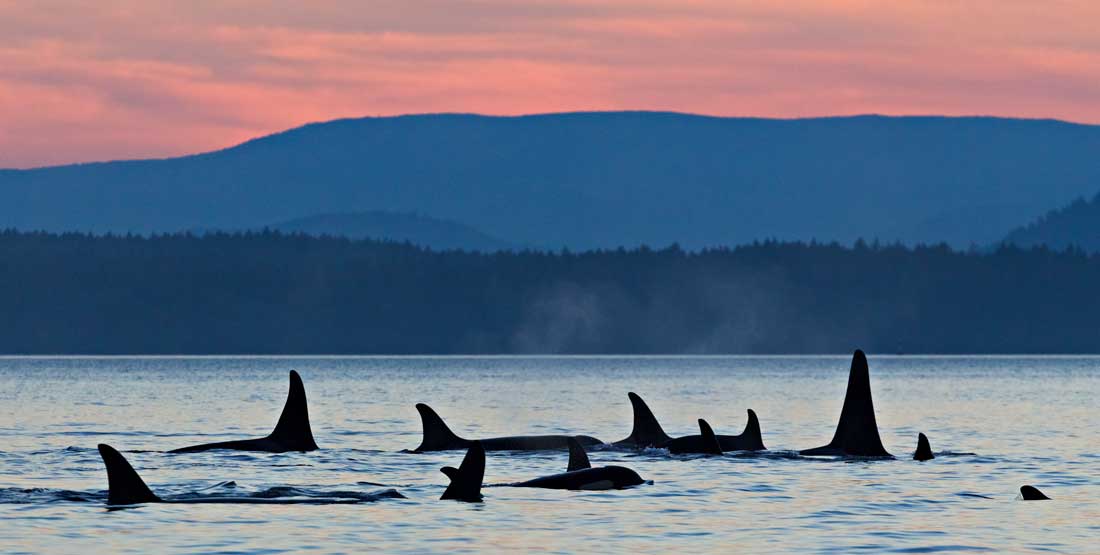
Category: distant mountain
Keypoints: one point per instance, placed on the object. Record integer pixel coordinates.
(1075, 225)
(605, 179)
(401, 227)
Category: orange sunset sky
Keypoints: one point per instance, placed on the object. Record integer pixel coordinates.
(111, 79)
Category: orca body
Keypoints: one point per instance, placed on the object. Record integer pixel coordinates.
(857, 432)
(924, 449)
(581, 476)
(647, 432)
(439, 437)
(466, 480)
(705, 443)
(1030, 493)
(125, 487)
(291, 433)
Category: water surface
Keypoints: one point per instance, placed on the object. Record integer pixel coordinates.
(994, 422)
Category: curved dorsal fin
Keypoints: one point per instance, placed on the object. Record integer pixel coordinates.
(467, 478)
(124, 486)
(924, 449)
(1031, 493)
(647, 431)
(292, 430)
(578, 459)
(710, 441)
(754, 440)
(437, 436)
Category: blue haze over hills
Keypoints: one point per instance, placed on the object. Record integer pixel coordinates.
(587, 180)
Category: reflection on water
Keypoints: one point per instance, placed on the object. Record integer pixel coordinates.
(994, 422)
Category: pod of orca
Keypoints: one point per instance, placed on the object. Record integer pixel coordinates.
(856, 436)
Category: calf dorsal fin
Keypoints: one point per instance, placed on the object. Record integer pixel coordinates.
(578, 459)
(924, 449)
(711, 446)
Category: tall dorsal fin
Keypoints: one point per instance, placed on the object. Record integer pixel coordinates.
(578, 459)
(293, 429)
(857, 432)
(1031, 493)
(124, 486)
(710, 441)
(647, 431)
(752, 438)
(467, 478)
(924, 449)
(437, 436)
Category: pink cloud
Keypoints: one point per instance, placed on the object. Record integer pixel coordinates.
(129, 79)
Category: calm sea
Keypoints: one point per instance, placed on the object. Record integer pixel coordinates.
(995, 423)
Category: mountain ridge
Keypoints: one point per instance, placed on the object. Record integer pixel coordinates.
(597, 179)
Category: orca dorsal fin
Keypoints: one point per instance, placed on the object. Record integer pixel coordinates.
(711, 446)
(754, 440)
(857, 432)
(467, 478)
(924, 449)
(578, 459)
(647, 431)
(292, 430)
(1031, 493)
(437, 436)
(124, 486)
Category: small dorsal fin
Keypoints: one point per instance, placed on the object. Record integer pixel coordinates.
(647, 431)
(437, 436)
(293, 430)
(124, 486)
(467, 478)
(752, 438)
(711, 446)
(924, 449)
(578, 459)
(1031, 493)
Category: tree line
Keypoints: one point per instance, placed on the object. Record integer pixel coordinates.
(268, 292)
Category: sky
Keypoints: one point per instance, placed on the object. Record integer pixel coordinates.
(119, 79)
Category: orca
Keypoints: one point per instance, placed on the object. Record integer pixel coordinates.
(466, 480)
(125, 487)
(438, 437)
(1030, 493)
(581, 475)
(924, 449)
(856, 433)
(706, 442)
(647, 432)
(291, 433)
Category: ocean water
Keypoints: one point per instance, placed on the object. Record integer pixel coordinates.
(995, 423)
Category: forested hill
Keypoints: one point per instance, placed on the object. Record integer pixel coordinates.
(1076, 225)
(272, 293)
(603, 179)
